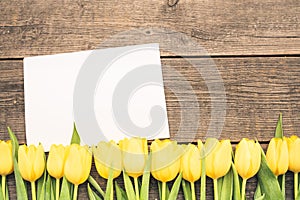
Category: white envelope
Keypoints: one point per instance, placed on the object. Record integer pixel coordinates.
(109, 93)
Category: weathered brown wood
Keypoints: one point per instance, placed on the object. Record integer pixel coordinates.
(223, 28)
(257, 90)
(12, 99)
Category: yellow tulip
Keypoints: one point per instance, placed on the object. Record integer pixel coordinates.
(31, 162)
(78, 164)
(218, 161)
(247, 158)
(294, 149)
(56, 161)
(191, 163)
(6, 162)
(294, 161)
(6, 158)
(165, 162)
(108, 157)
(135, 153)
(277, 156)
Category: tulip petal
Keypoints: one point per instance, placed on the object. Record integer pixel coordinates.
(6, 159)
(39, 162)
(56, 161)
(255, 158)
(222, 160)
(283, 160)
(242, 159)
(25, 165)
(271, 156)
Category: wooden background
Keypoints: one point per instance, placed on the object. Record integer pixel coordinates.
(254, 44)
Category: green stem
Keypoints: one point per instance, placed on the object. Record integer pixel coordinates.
(57, 189)
(136, 186)
(3, 186)
(193, 191)
(244, 189)
(216, 195)
(203, 180)
(33, 190)
(295, 185)
(283, 185)
(163, 196)
(112, 193)
(75, 192)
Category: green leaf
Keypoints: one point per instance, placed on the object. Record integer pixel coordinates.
(92, 195)
(15, 143)
(281, 180)
(227, 186)
(146, 179)
(6, 192)
(75, 137)
(279, 129)
(49, 194)
(52, 188)
(1, 194)
(41, 186)
(257, 193)
(186, 189)
(262, 197)
(236, 183)
(220, 184)
(65, 193)
(109, 186)
(120, 193)
(20, 186)
(94, 183)
(175, 188)
(267, 181)
(298, 195)
(128, 186)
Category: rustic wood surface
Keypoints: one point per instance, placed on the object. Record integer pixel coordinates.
(223, 27)
(255, 46)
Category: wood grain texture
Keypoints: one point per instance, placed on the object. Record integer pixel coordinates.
(221, 27)
(257, 90)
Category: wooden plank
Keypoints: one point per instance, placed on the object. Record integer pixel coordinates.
(257, 90)
(222, 28)
(12, 99)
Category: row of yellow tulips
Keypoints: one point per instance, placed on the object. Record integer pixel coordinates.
(168, 159)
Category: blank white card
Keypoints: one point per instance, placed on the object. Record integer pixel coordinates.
(109, 93)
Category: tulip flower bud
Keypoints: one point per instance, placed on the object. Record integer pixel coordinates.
(191, 163)
(78, 164)
(56, 161)
(247, 158)
(134, 154)
(108, 156)
(294, 149)
(31, 162)
(218, 161)
(165, 162)
(6, 158)
(277, 156)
